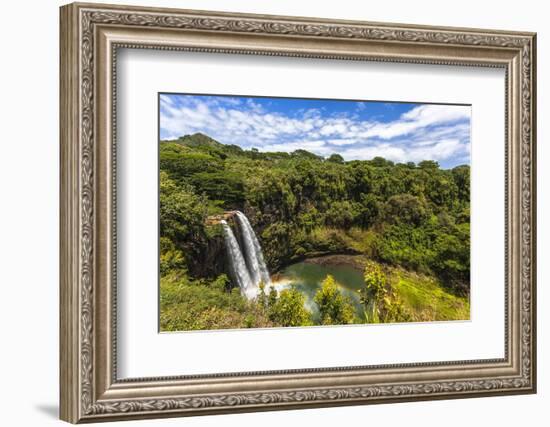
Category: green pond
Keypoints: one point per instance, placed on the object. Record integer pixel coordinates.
(307, 278)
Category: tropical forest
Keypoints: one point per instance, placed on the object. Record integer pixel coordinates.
(256, 239)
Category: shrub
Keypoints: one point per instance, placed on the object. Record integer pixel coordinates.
(334, 308)
(382, 303)
(288, 309)
(374, 291)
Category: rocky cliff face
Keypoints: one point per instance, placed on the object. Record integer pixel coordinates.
(216, 219)
(210, 262)
(214, 262)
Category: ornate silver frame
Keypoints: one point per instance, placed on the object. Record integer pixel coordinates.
(90, 36)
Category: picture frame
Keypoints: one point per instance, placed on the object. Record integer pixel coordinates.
(91, 36)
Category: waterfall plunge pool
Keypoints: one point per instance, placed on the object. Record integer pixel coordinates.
(248, 268)
(307, 278)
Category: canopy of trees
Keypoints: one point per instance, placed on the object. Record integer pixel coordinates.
(301, 204)
(412, 216)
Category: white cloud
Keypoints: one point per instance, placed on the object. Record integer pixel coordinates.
(166, 100)
(426, 132)
(317, 147)
(438, 151)
(343, 141)
(431, 114)
(389, 152)
(336, 127)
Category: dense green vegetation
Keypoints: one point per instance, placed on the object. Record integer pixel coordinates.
(334, 308)
(408, 218)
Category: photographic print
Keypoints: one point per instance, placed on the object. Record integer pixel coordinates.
(259, 182)
(292, 212)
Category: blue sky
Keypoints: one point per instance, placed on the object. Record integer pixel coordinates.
(357, 130)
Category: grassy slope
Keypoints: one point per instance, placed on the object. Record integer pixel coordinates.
(423, 296)
(187, 305)
(426, 298)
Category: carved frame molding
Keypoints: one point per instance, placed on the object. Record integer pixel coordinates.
(90, 36)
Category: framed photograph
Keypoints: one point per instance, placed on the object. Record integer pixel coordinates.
(266, 212)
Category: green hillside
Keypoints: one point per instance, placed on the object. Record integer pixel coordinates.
(408, 218)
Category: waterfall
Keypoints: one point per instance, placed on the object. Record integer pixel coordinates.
(253, 252)
(237, 264)
(248, 265)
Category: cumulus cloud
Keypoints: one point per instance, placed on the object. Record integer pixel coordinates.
(318, 147)
(422, 132)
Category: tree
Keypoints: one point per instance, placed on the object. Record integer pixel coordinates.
(373, 292)
(340, 214)
(442, 190)
(288, 310)
(428, 165)
(336, 158)
(334, 308)
(382, 303)
(381, 162)
(405, 208)
(452, 258)
(461, 176)
(305, 153)
(368, 209)
(171, 258)
(182, 164)
(301, 204)
(407, 245)
(221, 185)
(182, 215)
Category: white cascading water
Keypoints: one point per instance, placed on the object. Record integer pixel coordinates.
(238, 264)
(254, 256)
(248, 268)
